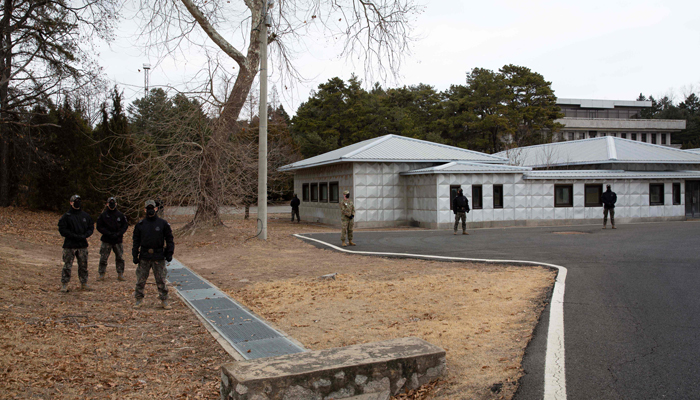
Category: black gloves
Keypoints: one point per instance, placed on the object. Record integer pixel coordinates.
(136, 260)
(352, 216)
(168, 258)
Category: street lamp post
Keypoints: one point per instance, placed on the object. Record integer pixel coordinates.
(262, 143)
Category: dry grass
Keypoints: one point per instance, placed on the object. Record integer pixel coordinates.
(93, 345)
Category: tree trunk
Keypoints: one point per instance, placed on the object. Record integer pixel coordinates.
(5, 71)
(247, 211)
(4, 169)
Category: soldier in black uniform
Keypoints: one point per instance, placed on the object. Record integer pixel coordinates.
(153, 245)
(75, 226)
(295, 207)
(460, 206)
(111, 224)
(608, 198)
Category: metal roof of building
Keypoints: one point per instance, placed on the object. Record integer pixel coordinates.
(693, 150)
(467, 167)
(601, 150)
(395, 148)
(592, 103)
(610, 174)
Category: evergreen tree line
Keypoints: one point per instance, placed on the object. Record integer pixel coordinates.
(133, 153)
(492, 111)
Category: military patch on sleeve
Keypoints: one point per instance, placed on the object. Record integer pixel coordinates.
(157, 228)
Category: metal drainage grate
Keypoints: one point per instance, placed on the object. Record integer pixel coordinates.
(247, 333)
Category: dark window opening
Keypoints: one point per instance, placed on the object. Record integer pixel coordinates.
(644, 137)
(656, 194)
(634, 136)
(497, 196)
(663, 138)
(477, 200)
(623, 135)
(571, 136)
(592, 134)
(453, 194)
(676, 193)
(563, 195)
(305, 192)
(314, 192)
(592, 196)
(323, 192)
(653, 138)
(333, 192)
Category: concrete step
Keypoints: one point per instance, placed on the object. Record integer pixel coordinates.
(376, 370)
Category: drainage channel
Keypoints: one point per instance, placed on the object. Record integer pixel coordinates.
(247, 333)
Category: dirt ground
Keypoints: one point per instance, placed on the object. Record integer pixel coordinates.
(94, 345)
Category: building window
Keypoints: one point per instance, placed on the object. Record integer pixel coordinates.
(653, 138)
(663, 138)
(571, 135)
(333, 191)
(634, 136)
(623, 135)
(323, 192)
(593, 193)
(656, 194)
(497, 196)
(314, 192)
(581, 135)
(676, 193)
(644, 137)
(563, 195)
(305, 192)
(477, 200)
(453, 194)
(592, 134)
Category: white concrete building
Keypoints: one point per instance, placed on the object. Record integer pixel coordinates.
(398, 181)
(587, 118)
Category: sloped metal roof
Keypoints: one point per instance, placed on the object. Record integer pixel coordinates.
(395, 148)
(592, 103)
(693, 150)
(458, 167)
(610, 174)
(606, 149)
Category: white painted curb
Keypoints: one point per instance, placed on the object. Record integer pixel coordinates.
(554, 372)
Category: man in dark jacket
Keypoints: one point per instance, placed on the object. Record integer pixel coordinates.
(609, 198)
(153, 245)
(460, 206)
(295, 208)
(75, 226)
(111, 224)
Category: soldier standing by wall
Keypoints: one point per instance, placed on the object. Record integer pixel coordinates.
(295, 208)
(347, 215)
(111, 224)
(460, 206)
(153, 245)
(608, 198)
(75, 226)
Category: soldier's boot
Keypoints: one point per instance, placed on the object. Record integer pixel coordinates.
(138, 303)
(464, 233)
(604, 227)
(165, 305)
(85, 287)
(614, 227)
(344, 245)
(64, 288)
(120, 277)
(101, 277)
(352, 244)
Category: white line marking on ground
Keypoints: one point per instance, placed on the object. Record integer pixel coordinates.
(554, 372)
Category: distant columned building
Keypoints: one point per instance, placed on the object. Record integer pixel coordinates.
(586, 119)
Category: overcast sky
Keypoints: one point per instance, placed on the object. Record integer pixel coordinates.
(594, 49)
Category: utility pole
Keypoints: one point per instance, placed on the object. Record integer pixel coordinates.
(262, 143)
(146, 69)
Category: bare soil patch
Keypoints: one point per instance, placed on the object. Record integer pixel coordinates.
(94, 345)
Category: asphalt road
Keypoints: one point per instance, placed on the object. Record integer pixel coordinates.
(631, 306)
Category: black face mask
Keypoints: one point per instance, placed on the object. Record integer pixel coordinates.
(112, 205)
(76, 204)
(151, 212)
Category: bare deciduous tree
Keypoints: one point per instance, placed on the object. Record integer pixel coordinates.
(376, 31)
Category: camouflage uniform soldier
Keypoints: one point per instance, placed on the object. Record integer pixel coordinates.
(111, 224)
(347, 215)
(153, 245)
(75, 226)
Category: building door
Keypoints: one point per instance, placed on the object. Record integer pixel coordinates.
(692, 199)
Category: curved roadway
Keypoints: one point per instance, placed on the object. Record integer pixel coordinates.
(631, 307)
